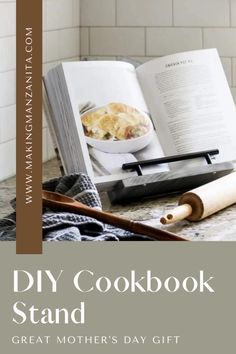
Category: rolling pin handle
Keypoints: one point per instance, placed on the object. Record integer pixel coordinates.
(177, 214)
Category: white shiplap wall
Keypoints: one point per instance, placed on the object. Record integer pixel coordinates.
(150, 28)
(61, 42)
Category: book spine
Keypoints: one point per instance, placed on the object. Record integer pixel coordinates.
(47, 111)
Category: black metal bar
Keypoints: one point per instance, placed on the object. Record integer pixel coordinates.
(139, 164)
(208, 159)
(138, 169)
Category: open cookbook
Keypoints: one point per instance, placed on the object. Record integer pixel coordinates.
(103, 114)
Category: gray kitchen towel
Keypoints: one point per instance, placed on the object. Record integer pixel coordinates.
(64, 226)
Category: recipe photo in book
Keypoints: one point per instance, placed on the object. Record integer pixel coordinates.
(103, 114)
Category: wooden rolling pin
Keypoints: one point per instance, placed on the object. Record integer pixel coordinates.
(56, 201)
(204, 201)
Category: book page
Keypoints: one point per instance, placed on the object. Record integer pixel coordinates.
(92, 85)
(102, 82)
(191, 103)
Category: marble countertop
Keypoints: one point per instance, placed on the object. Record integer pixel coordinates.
(221, 226)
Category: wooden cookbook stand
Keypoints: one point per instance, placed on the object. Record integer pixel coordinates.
(161, 184)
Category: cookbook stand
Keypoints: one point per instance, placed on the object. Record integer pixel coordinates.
(164, 183)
